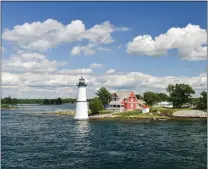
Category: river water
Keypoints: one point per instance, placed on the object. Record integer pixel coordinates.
(30, 140)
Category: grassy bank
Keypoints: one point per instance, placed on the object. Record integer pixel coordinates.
(166, 111)
(139, 115)
(71, 113)
(157, 113)
(7, 107)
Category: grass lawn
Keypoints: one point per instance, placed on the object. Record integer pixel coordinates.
(138, 114)
(172, 110)
(167, 111)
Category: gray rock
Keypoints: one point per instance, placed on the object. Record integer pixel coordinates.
(190, 113)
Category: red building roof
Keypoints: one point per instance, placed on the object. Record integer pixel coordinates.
(145, 106)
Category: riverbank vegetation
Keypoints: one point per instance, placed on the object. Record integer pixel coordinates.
(179, 94)
(7, 106)
(57, 101)
(140, 115)
(95, 105)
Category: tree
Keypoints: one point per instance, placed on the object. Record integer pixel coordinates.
(202, 103)
(194, 101)
(151, 98)
(180, 94)
(14, 101)
(104, 95)
(58, 101)
(163, 96)
(139, 97)
(95, 105)
(52, 101)
(45, 101)
(8, 100)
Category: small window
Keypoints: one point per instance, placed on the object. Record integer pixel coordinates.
(132, 99)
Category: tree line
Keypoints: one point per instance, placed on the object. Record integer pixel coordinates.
(178, 94)
(58, 101)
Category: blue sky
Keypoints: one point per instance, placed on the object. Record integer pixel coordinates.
(141, 18)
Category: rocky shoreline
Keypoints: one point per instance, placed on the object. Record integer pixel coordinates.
(183, 114)
(190, 113)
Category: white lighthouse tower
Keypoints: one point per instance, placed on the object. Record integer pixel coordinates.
(81, 106)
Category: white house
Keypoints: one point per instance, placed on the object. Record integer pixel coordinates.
(164, 104)
(145, 109)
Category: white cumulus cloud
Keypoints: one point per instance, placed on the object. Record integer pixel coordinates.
(85, 50)
(75, 71)
(31, 62)
(41, 36)
(110, 71)
(190, 42)
(96, 65)
(64, 82)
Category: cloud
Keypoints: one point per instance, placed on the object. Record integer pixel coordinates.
(89, 49)
(104, 49)
(41, 36)
(25, 61)
(110, 71)
(100, 33)
(96, 65)
(31, 62)
(64, 82)
(85, 50)
(189, 41)
(122, 29)
(75, 71)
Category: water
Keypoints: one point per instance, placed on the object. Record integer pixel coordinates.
(34, 141)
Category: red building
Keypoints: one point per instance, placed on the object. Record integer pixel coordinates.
(125, 101)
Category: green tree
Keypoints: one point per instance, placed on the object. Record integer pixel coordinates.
(45, 101)
(163, 96)
(52, 101)
(104, 95)
(194, 101)
(139, 97)
(180, 94)
(151, 98)
(8, 100)
(95, 105)
(58, 101)
(202, 103)
(14, 101)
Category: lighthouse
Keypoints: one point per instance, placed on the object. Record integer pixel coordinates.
(81, 106)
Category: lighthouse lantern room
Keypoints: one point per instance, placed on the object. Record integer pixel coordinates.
(81, 105)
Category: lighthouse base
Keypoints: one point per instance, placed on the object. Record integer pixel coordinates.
(78, 118)
(81, 111)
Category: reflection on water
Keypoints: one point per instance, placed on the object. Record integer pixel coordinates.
(59, 142)
(81, 128)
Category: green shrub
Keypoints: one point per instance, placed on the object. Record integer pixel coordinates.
(95, 106)
(4, 106)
